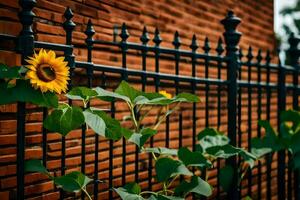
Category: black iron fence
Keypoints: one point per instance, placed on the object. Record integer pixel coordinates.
(253, 86)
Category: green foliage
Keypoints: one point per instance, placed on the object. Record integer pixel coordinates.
(196, 185)
(24, 92)
(81, 93)
(142, 137)
(193, 159)
(7, 72)
(64, 119)
(71, 182)
(36, 166)
(225, 177)
(287, 139)
(103, 124)
(170, 164)
(162, 151)
(167, 168)
(130, 191)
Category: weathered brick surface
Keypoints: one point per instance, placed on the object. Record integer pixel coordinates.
(188, 16)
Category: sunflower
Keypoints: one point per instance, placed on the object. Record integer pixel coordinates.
(165, 94)
(48, 72)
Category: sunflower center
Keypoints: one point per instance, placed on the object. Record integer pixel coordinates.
(46, 73)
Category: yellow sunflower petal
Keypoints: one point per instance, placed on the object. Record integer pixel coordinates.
(48, 72)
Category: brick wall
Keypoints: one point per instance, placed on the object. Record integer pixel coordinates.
(201, 17)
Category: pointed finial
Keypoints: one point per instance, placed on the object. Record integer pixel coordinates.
(259, 56)
(220, 48)
(268, 56)
(124, 33)
(249, 55)
(69, 25)
(206, 46)
(89, 32)
(145, 37)
(176, 42)
(157, 39)
(194, 45)
(231, 35)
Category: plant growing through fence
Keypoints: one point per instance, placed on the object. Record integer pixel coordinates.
(178, 171)
(287, 138)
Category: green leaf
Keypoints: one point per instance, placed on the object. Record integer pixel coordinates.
(227, 151)
(72, 182)
(158, 99)
(248, 157)
(7, 94)
(81, 93)
(111, 129)
(290, 116)
(259, 147)
(296, 161)
(210, 137)
(225, 177)
(295, 143)
(187, 97)
(7, 72)
(133, 188)
(24, 92)
(35, 166)
(94, 121)
(166, 168)
(64, 119)
(141, 138)
(162, 151)
(109, 96)
(194, 159)
(196, 185)
(130, 191)
(269, 143)
(164, 197)
(125, 89)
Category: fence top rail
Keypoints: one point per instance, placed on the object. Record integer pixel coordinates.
(164, 50)
(149, 74)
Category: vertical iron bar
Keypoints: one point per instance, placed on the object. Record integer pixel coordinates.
(176, 42)
(157, 40)
(123, 45)
(25, 47)
(240, 112)
(68, 26)
(194, 46)
(44, 139)
(89, 32)
(249, 118)
(268, 110)
(232, 38)
(259, 97)
(144, 39)
(219, 50)
(293, 53)
(206, 49)
(281, 107)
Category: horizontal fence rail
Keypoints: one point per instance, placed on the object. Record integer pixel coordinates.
(242, 88)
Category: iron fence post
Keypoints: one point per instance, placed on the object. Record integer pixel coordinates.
(25, 47)
(294, 53)
(232, 38)
(281, 107)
